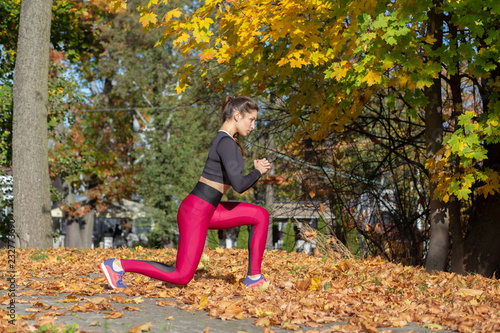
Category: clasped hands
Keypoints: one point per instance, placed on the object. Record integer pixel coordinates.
(262, 165)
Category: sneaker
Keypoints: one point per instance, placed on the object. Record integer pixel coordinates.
(115, 279)
(254, 283)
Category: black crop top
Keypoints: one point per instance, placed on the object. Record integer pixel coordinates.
(225, 164)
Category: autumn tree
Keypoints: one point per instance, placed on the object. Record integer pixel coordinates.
(94, 157)
(172, 158)
(328, 59)
(72, 38)
(133, 128)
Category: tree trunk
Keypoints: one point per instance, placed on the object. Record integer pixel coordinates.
(88, 229)
(482, 248)
(73, 234)
(76, 236)
(437, 256)
(32, 206)
(457, 236)
(270, 203)
(454, 206)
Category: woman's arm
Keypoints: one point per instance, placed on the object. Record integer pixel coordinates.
(232, 162)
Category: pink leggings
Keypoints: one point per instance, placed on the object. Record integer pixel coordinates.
(194, 218)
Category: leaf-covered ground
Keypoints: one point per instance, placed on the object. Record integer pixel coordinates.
(311, 290)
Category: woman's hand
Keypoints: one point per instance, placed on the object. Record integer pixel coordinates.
(262, 165)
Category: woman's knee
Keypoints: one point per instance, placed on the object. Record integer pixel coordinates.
(262, 215)
(184, 276)
(183, 280)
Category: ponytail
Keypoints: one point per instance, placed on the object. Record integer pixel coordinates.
(242, 104)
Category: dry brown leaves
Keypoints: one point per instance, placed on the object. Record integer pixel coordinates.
(311, 290)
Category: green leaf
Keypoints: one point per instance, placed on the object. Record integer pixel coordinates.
(463, 193)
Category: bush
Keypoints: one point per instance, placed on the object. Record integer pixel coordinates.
(242, 242)
(289, 237)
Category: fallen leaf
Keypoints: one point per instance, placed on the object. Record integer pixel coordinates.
(286, 325)
(432, 326)
(39, 304)
(131, 308)
(45, 320)
(69, 299)
(30, 316)
(141, 328)
(119, 299)
(263, 322)
(315, 283)
(261, 314)
(54, 314)
(163, 294)
(204, 300)
(98, 300)
(166, 303)
(369, 327)
(303, 285)
(233, 309)
(470, 292)
(85, 307)
(136, 300)
(114, 315)
(264, 286)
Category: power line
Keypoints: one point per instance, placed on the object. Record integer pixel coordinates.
(129, 109)
(172, 108)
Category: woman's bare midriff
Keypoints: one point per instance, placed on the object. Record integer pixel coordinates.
(222, 188)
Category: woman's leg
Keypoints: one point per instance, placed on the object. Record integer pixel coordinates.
(193, 218)
(235, 214)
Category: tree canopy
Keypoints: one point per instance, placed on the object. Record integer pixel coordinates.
(328, 58)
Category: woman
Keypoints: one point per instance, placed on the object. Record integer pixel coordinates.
(202, 210)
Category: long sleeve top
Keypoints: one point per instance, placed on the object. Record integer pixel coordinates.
(225, 164)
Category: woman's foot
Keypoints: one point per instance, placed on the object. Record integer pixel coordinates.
(113, 273)
(254, 281)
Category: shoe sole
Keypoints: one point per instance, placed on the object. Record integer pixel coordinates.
(106, 274)
(256, 284)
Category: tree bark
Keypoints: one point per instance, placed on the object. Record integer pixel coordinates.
(88, 229)
(73, 238)
(32, 206)
(270, 203)
(437, 256)
(76, 236)
(457, 236)
(454, 206)
(482, 248)
(73, 234)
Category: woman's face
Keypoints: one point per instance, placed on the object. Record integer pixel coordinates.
(246, 122)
